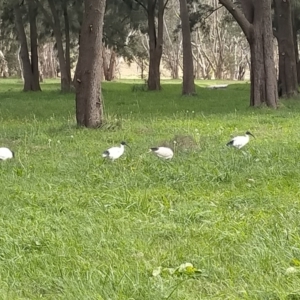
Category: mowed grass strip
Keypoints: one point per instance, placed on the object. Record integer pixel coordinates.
(75, 226)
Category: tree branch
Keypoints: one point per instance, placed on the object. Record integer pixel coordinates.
(142, 5)
(238, 15)
(124, 19)
(209, 61)
(213, 12)
(166, 4)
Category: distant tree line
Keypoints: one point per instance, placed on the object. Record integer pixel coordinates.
(206, 39)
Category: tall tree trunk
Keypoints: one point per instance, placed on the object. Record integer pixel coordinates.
(287, 60)
(24, 53)
(108, 68)
(55, 24)
(295, 38)
(104, 62)
(67, 35)
(188, 85)
(256, 22)
(65, 82)
(112, 65)
(155, 42)
(297, 55)
(32, 9)
(142, 66)
(263, 73)
(20, 62)
(241, 72)
(154, 70)
(154, 50)
(89, 108)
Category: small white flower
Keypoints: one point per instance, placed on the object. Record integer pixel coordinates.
(72, 136)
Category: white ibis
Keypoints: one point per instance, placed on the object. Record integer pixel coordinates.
(6, 153)
(162, 152)
(240, 141)
(115, 152)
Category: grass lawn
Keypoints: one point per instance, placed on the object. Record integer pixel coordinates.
(73, 226)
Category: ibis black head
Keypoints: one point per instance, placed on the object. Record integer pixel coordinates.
(124, 144)
(154, 149)
(249, 133)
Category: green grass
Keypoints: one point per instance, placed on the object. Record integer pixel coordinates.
(76, 227)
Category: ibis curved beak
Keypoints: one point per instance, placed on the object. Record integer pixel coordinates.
(249, 133)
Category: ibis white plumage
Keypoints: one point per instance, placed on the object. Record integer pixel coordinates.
(115, 152)
(240, 141)
(162, 152)
(6, 153)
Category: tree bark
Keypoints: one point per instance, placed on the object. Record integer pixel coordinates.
(20, 62)
(155, 50)
(104, 62)
(89, 108)
(241, 72)
(55, 24)
(24, 53)
(108, 68)
(31, 83)
(256, 22)
(112, 65)
(155, 42)
(287, 60)
(297, 55)
(67, 35)
(188, 85)
(295, 38)
(65, 82)
(32, 9)
(263, 73)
